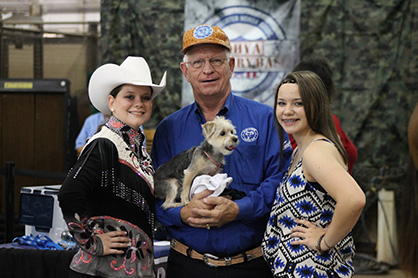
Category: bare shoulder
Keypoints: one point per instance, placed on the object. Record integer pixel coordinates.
(324, 164)
(320, 148)
(323, 154)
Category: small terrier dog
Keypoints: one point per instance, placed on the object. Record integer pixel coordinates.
(173, 179)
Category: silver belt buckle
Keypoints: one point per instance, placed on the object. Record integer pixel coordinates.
(208, 256)
(250, 257)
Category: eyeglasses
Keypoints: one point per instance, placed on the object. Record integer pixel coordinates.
(214, 62)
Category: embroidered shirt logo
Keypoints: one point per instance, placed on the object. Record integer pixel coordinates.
(250, 134)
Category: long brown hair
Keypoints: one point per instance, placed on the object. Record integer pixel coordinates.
(316, 104)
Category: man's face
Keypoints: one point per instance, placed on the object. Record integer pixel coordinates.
(211, 78)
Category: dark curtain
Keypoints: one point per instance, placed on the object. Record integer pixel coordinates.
(372, 46)
(152, 29)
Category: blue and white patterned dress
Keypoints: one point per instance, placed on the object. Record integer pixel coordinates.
(297, 198)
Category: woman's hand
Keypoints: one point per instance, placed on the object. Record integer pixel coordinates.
(308, 233)
(113, 242)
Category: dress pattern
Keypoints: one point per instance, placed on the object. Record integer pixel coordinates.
(297, 198)
(136, 261)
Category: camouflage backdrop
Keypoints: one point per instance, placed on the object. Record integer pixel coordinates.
(372, 46)
(152, 29)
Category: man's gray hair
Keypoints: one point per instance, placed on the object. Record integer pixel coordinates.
(228, 55)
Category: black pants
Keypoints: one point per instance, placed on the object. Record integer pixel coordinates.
(180, 266)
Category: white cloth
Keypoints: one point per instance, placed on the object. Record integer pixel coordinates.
(217, 183)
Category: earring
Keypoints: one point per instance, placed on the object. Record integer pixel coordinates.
(111, 109)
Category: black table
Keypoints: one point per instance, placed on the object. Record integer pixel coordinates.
(27, 262)
(34, 263)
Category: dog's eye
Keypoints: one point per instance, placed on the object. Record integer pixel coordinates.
(222, 133)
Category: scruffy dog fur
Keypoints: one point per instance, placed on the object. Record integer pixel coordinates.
(173, 179)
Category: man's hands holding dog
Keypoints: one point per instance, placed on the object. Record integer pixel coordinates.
(213, 211)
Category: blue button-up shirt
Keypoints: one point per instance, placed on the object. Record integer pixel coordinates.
(254, 167)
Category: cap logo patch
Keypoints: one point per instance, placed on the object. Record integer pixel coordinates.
(203, 32)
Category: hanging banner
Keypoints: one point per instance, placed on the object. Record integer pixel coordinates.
(264, 37)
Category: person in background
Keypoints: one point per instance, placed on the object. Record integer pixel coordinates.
(318, 202)
(217, 236)
(92, 124)
(107, 198)
(413, 136)
(321, 67)
(408, 245)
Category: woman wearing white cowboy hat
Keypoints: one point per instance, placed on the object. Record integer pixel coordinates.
(107, 198)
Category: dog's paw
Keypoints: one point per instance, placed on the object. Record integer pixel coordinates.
(170, 205)
(185, 202)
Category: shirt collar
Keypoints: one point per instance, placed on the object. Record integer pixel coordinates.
(224, 110)
(133, 138)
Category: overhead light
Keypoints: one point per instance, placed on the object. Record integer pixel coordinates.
(51, 35)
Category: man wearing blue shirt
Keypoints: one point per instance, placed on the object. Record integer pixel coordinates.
(214, 236)
(90, 126)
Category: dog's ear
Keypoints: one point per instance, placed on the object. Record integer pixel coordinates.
(208, 129)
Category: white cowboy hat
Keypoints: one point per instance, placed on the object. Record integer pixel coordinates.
(134, 71)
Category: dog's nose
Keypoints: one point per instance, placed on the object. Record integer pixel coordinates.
(235, 139)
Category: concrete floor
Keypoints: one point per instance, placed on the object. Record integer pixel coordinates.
(393, 273)
(365, 265)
